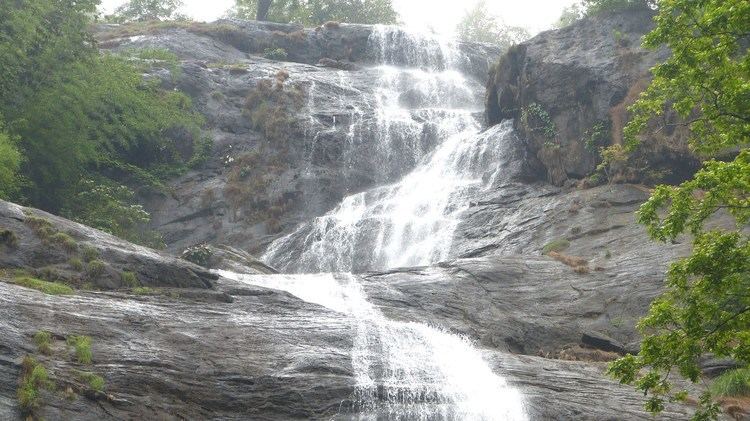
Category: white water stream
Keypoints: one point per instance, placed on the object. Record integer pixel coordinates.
(404, 370)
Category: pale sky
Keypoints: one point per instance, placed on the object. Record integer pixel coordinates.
(441, 15)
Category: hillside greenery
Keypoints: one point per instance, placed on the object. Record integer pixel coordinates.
(72, 117)
(706, 308)
(318, 12)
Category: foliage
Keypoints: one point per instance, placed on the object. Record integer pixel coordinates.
(111, 208)
(33, 378)
(146, 10)
(10, 163)
(50, 288)
(480, 25)
(706, 308)
(66, 241)
(96, 268)
(81, 347)
(317, 12)
(278, 54)
(73, 114)
(732, 383)
(76, 263)
(130, 279)
(200, 254)
(94, 381)
(535, 118)
(42, 340)
(557, 245)
(570, 15)
(143, 291)
(8, 237)
(89, 253)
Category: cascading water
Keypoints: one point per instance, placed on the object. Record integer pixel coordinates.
(410, 222)
(404, 371)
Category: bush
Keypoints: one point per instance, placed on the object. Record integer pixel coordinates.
(130, 279)
(96, 268)
(76, 264)
(50, 288)
(732, 383)
(66, 241)
(89, 253)
(95, 382)
(278, 54)
(8, 237)
(199, 254)
(82, 348)
(144, 291)
(33, 378)
(42, 339)
(41, 227)
(557, 245)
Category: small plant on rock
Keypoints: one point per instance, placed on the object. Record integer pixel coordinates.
(732, 383)
(34, 377)
(43, 340)
(66, 241)
(76, 264)
(89, 253)
(278, 54)
(130, 279)
(557, 245)
(82, 348)
(51, 288)
(96, 268)
(199, 254)
(94, 382)
(8, 237)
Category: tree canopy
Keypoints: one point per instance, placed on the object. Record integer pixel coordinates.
(72, 114)
(480, 25)
(706, 307)
(146, 10)
(317, 12)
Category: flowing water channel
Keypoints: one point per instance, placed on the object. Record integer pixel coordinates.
(404, 370)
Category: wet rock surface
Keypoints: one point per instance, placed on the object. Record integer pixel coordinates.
(568, 91)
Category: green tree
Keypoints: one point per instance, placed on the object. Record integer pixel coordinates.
(706, 307)
(146, 10)
(570, 15)
(583, 8)
(317, 12)
(480, 25)
(10, 162)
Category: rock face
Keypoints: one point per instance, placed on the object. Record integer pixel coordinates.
(47, 244)
(291, 137)
(568, 91)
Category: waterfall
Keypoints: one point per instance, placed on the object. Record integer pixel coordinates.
(409, 222)
(404, 370)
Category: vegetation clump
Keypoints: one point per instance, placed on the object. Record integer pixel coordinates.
(8, 237)
(66, 241)
(732, 383)
(129, 279)
(76, 264)
(43, 339)
(96, 268)
(89, 253)
(278, 54)
(93, 381)
(200, 254)
(34, 378)
(50, 288)
(81, 347)
(556, 245)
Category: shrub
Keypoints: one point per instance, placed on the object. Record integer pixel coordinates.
(51, 288)
(535, 118)
(95, 382)
(557, 245)
(89, 253)
(82, 348)
(130, 279)
(42, 339)
(66, 241)
(278, 54)
(8, 237)
(76, 264)
(199, 254)
(41, 227)
(732, 383)
(33, 378)
(144, 291)
(96, 268)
